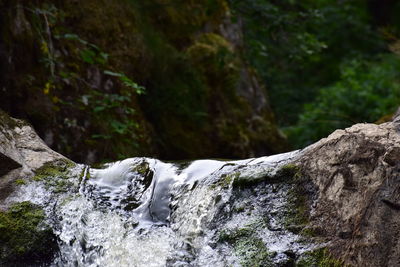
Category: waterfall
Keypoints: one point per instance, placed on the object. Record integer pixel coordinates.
(145, 212)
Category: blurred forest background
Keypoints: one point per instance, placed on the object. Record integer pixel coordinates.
(181, 79)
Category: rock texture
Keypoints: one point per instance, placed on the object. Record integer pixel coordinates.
(354, 197)
(357, 204)
(21, 153)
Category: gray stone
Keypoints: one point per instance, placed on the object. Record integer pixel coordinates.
(357, 203)
(21, 153)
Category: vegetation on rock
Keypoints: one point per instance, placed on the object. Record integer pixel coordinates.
(56, 175)
(319, 258)
(24, 237)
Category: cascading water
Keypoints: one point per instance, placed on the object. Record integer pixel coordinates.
(144, 212)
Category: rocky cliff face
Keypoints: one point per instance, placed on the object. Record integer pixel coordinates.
(75, 69)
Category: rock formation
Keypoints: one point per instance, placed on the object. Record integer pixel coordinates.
(21, 153)
(352, 179)
(357, 206)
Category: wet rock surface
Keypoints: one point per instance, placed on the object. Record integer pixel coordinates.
(334, 203)
(26, 239)
(356, 172)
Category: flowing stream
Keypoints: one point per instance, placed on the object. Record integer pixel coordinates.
(145, 212)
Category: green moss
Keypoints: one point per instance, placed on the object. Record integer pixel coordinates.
(249, 248)
(232, 236)
(297, 211)
(55, 175)
(225, 180)
(319, 258)
(20, 182)
(253, 252)
(142, 168)
(297, 208)
(288, 172)
(23, 235)
(8, 122)
(214, 57)
(246, 180)
(47, 171)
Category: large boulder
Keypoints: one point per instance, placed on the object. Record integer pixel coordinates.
(25, 237)
(356, 206)
(21, 153)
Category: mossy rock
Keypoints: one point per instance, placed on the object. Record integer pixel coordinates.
(53, 169)
(242, 181)
(286, 174)
(214, 56)
(248, 247)
(298, 200)
(55, 175)
(319, 258)
(225, 180)
(24, 237)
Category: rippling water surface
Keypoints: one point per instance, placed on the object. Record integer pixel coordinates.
(144, 212)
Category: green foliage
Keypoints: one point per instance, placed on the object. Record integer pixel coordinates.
(319, 61)
(216, 61)
(366, 91)
(127, 81)
(298, 46)
(24, 238)
(116, 109)
(179, 20)
(111, 109)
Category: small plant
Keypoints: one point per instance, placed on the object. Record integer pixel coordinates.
(127, 81)
(69, 58)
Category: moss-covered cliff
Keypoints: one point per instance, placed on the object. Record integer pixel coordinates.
(110, 79)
